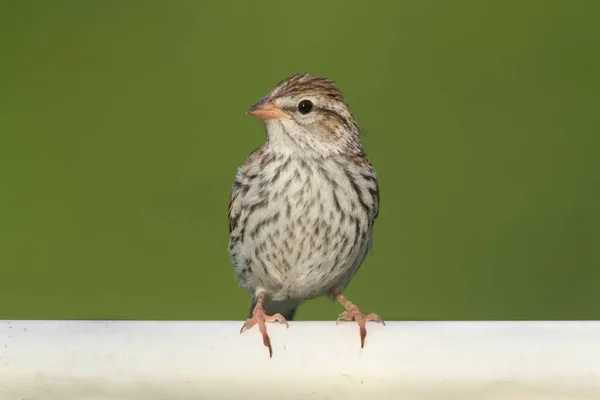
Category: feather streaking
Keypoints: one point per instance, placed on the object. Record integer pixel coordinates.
(303, 205)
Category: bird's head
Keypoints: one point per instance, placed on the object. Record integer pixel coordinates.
(308, 113)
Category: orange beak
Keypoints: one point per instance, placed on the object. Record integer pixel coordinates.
(265, 109)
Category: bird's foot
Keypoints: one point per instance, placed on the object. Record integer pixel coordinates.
(353, 313)
(361, 320)
(261, 318)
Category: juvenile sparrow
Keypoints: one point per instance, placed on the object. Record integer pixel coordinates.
(303, 205)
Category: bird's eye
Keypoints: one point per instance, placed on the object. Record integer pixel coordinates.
(305, 106)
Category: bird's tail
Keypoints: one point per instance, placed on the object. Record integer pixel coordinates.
(287, 308)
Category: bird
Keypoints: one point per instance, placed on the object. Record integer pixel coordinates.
(303, 205)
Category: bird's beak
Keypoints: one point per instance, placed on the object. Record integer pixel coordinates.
(265, 109)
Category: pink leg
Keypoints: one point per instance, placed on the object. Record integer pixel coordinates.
(260, 317)
(353, 313)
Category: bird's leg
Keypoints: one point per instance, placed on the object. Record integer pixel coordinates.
(353, 313)
(260, 317)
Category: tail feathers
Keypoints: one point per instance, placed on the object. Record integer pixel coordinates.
(287, 308)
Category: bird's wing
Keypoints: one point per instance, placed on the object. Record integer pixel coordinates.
(232, 214)
(240, 187)
(375, 194)
(235, 203)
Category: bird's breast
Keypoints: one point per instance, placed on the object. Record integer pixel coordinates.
(305, 225)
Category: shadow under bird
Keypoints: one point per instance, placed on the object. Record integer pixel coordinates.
(303, 205)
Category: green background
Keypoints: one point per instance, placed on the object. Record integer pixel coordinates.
(123, 122)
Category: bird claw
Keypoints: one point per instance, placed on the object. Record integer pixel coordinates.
(355, 315)
(344, 317)
(375, 318)
(250, 322)
(259, 317)
(347, 316)
(277, 318)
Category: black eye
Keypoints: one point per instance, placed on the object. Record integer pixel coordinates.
(305, 106)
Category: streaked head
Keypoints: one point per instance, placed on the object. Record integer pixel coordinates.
(309, 110)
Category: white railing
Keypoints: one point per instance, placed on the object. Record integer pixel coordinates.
(93, 360)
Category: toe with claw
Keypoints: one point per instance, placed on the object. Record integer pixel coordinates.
(261, 318)
(353, 313)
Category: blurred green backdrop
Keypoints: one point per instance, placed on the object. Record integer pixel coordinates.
(122, 124)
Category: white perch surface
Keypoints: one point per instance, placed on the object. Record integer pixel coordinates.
(100, 360)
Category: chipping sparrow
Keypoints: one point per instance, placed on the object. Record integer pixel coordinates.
(303, 205)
